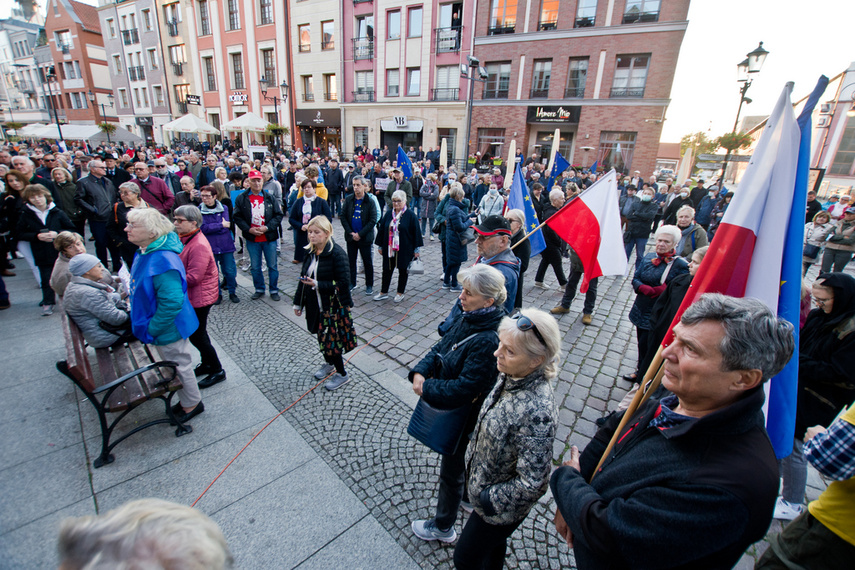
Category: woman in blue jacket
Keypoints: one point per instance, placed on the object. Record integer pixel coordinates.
(456, 222)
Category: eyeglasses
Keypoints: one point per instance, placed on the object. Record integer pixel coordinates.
(820, 302)
(526, 324)
(180, 219)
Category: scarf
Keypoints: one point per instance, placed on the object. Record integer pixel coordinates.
(216, 209)
(665, 258)
(394, 236)
(686, 233)
(482, 310)
(307, 209)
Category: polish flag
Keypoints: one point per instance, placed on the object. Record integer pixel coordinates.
(590, 223)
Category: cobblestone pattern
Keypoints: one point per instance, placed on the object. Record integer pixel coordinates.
(361, 431)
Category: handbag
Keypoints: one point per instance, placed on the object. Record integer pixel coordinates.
(336, 334)
(468, 236)
(811, 251)
(416, 266)
(437, 227)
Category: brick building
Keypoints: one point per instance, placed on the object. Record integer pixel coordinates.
(600, 71)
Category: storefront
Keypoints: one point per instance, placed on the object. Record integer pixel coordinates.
(542, 120)
(319, 127)
(401, 130)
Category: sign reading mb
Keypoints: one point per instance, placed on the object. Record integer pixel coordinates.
(553, 114)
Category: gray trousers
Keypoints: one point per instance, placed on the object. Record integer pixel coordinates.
(179, 352)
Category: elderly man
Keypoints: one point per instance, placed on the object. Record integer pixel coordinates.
(693, 235)
(161, 170)
(208, 174)
(398, 183)
(258, 214)
(153, 190)
(493, 241)
(692, 481)
(195, 164)
(28, 167)
(115, 173)
(96, 196)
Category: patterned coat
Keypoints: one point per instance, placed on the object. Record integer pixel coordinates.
(510, 457)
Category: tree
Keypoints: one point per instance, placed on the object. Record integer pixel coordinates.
(698, 142)
(13, 125)
(733, 141)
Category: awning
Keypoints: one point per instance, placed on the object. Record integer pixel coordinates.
(190, 123)
(248, 122)
(410, 127)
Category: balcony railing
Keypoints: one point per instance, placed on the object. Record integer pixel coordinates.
(448, 39)
(574, 92)
(25, 86)
(178, 68)
(355, 2)
(172, 27)
(364, 96)
(64, 48)
(498, 30)
(446, 94)
(137, 73)
(308, 97)
(543, 26)
(495, 94)
(130, 36)
(539, 93)
(627, 92)
(634, 17)
(304, 48)
(182, 107)
(328, 45)
(330, 96)
(584, 22)
(363, 48)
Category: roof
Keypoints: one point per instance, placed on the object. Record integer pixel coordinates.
(88, 16)
(669, 150)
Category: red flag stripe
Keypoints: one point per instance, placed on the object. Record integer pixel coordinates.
(576, 224)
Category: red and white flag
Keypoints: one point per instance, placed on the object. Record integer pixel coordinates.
(591, 225)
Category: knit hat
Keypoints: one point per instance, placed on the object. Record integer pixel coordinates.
(80, 264)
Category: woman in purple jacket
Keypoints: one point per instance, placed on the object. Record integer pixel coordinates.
(215, 226)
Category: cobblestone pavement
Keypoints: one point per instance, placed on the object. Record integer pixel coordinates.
(361, 431)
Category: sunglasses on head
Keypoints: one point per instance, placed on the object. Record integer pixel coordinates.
(526, 324)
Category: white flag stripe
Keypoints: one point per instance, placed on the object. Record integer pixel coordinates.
(602, 199)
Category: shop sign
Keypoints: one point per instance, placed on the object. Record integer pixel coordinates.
(238, 98)
(400, 121)
(553, 114)
(193, 100)
(144, 121)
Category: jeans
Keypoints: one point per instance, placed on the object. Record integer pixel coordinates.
(794, 472)
(452, 483)
(837, 257)
(48, 295)
(202, 341)
(363, 248)
(226, 262)
(482, 545)
(639, 244)
(427, 222)
(335, 204)
(103, 244)
(451, 271)
(570, 292)
(268, 248)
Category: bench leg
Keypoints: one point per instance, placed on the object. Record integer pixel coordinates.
(181, 429)
(105, 458)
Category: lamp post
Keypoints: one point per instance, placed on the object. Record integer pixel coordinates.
(51, 74)
(283, 90)
(744, 74)
(103, 113)
(468, 72)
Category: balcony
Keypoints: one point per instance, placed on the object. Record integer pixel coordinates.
(64, 48)
(543, 26)
(182, 107)
(136, 73)
(635, 17)
(364, 96)
(178, 68)
(584, 22)
(130, 37)
(499, 30)
(444, 94)
(574, 92)
(330, 96)
(448, 39)
(363, 48)
(495, 94)
(308, 97)
(172, 27)
(25, 86)
(539, 93)
(355, 2)
(627, 92)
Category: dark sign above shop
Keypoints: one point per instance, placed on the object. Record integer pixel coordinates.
(553, 114)
(318, 117)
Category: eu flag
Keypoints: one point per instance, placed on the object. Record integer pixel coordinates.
(405, 164)
(519, 199)
(559, 165)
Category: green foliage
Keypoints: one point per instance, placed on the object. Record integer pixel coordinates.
(733, 141)
(277, 130)
(14, 125)
(106, 127)
(698, 142)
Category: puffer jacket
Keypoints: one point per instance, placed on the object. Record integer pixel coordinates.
(510, 457)
(651, 275)
(219, 236)
(457, 221)
(203, 279)
(89, 302)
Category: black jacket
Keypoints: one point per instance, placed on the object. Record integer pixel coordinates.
(272, 215)
(368, 214)
(670, 215)
(549, 236)
(119, 176)
(333, 279)
(334, 181)
(409, 235)
(639, 221)
(96, 197)
(693, 496)
(29, 227)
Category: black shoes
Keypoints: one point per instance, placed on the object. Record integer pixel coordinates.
(212, 379)
(183, 417)
(274, 296)
(201, 370)
(234, 298)
(257, 295)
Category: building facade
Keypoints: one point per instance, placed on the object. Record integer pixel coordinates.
(401, 74)
(21, 95)
(834, 136)
(598, 70)
(182, 78)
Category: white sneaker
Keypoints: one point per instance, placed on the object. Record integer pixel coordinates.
(324, 371)
(432, 238)
(426, 530)
(787, 511)
(381, 296)
(399, 297)
(541, 285)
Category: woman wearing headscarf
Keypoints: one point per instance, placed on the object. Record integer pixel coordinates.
(306, 207)
(398, 242)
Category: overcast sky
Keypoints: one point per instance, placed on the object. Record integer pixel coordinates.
(805, 40)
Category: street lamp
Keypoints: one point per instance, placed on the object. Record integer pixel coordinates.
(745, 71)
(283, 90)
(468, 72)
(51, 74)
(103, 113)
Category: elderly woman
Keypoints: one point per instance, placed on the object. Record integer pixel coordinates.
(457, 221)
(69, 245)
(216, 224)
(66, 188)
(203, 288)
(523, 251)
(398, 240)
(693, 235)
(510, 456)
(88, 301)
(651, 278)
(188, 195)
(161, 313)
(429, 193)
(841, 243)
(39, 224)
(461, 370)
(551, 256)
(816, 232)
(324, 293)
(309, 205)
(639, 220)
(129, 198)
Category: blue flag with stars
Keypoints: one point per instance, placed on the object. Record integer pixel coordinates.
(559, 165)
(519, 199)
(405, 164)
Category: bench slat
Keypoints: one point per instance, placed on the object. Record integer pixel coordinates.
(149, 379)
(75, 350)
(132, 391)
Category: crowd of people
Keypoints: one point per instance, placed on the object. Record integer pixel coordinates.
(176, 222)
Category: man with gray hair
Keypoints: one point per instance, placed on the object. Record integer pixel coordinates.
(692, 479)
(96, 196)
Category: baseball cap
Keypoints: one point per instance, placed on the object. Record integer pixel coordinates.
(849, 210)
(494, 225)
(255, 174)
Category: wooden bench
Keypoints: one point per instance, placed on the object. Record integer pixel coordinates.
(128, 375)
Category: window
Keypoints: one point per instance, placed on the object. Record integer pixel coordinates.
(308, 88)
(157, 93)
(237, 70)
(414, 23)
(172, 13)
(577, 75)
(586, 12)
(328, 35)
(265, 12)
(69, 70)
(204, 18)
(146, 18)
(176, 54)
(210, 76)
(616, 150)
(214, 119)
(641, 11)
(268, 63)
(392, 81)
(152, 58)
(393, 25)
(844, 159)
(136, 97)
(360, 136)
(233, 10)
(364, 86)
(490, 141)
(414, 75)
(123, 99)
(181, 92)
(503, 17)
(548, 15)
(304, 32)
(330, 87)
(117, 64)
(498, 80)
(144, 93)
(447, 83)
(450, 136)
(630, 75)
(111, 27)
(363, 43)
(540, 78)
(63, 41)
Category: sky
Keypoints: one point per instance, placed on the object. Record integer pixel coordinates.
(804, 40)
